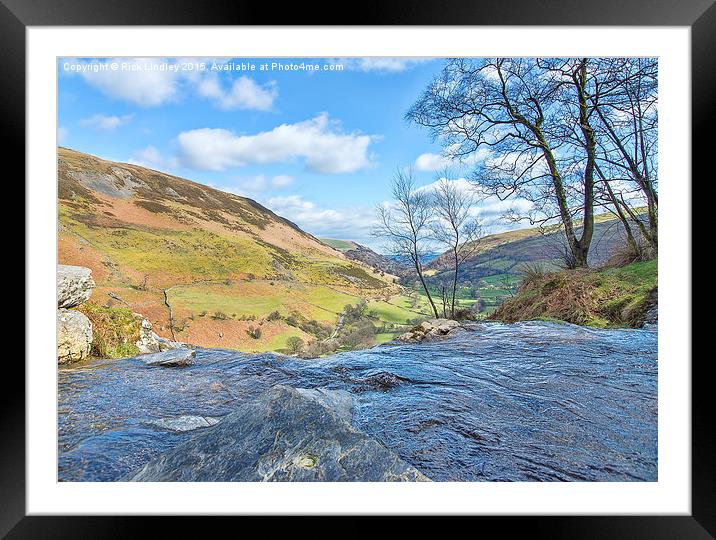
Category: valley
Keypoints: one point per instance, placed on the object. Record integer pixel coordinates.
(221, 262)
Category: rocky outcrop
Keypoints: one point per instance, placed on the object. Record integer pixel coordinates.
(149, 342)
(287, 434)
(74, 329)
(170, 358)
(430, 330)
(74, 285)
(74, 336)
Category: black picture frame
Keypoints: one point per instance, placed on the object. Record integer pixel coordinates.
(700, 15)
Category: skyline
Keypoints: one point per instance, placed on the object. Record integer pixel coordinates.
(314, 140)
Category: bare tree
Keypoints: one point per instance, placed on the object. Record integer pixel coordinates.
(625, 100)
(455, 227)
(406, 224)
(534, 120)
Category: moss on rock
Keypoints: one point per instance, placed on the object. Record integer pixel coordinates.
(115, 331)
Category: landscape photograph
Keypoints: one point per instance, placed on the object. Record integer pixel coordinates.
(357, 269)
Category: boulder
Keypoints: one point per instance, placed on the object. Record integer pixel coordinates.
(74, 336)
(430, 330)
(167, 344)
(170, 358)
(286, 434)
(74, 285)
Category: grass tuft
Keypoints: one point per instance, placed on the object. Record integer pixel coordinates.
(607, 298)
(114, 331)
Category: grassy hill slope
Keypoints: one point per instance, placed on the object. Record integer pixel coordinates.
(608, 297)
(495, 270)
(204, 266)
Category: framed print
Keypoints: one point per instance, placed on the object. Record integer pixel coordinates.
(408, 266)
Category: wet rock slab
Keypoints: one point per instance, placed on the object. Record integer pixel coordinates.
(287, 434)
(170, 358)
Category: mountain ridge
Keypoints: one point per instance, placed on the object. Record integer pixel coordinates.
(224, 262)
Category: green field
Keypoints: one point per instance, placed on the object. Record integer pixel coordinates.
(340, 245)
(210, 298)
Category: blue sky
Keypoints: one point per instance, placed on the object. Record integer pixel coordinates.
(316, 146)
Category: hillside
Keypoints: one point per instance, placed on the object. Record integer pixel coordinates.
(607, 297)
(367, 256)
(495, 269)
(205, 267)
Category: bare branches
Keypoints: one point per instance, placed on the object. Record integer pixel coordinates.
(543, 126)
(406, 224)
(455, 226)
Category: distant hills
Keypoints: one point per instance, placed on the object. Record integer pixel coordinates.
(506, 252)
(204, 266)
(364, 254)
(495, 270)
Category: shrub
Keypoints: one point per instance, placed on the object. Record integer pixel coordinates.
(294, 344)
(219, 316)
(253, 332)
(317, 348)
(532, 271)
(273, 316)
(627, 253)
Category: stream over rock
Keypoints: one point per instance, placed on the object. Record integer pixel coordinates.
(496, 402)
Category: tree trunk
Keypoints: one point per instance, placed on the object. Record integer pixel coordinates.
(454, 284)
(572, 242)
(591, 148)
(419, 271)
(631, 240)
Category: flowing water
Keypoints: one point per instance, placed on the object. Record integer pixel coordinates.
(527, 401)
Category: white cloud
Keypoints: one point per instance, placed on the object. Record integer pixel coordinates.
(143, 81)
(319, 141)
(282, 181)
(431, 162)
(489, 209)
(254, 186)
(436, 162)
(151, 82)
(354, 223)
(62, 133)
(149, 155)
(244, 93)
(379, 63)
(153, 158)
(100, 122)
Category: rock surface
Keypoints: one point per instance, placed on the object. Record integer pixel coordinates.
(74, 285)
(149, 342)
(287, 434)
(170, 358)
(185, 423)
(74, 336)
(430, 330)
